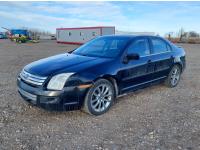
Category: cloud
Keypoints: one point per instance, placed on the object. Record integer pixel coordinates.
(70, 14)
(129, 16)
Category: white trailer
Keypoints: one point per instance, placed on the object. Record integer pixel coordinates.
(82, 34)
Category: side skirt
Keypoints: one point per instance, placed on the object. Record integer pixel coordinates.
(141, 85)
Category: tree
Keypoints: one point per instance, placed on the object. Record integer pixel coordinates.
(182, 34)
(193, 34)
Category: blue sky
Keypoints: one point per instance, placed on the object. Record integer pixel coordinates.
(159, 17)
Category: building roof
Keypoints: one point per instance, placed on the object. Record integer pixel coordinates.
(77, 28)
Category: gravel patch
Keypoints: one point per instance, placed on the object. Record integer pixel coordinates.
(156, 117)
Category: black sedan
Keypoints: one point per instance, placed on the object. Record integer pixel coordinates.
(93, 75)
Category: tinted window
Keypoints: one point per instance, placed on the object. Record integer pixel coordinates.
(93, 33)
(159, 46)
(103, 47)
(140, 47)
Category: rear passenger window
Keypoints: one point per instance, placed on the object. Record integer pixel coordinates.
(139, 46)
(159, 46)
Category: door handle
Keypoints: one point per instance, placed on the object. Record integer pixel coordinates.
(149, 61)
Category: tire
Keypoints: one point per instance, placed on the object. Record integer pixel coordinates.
(99, 98)
(174, 77)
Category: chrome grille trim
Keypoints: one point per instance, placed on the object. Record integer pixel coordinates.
(33, 79)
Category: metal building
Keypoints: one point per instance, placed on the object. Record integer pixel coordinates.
(82, 34)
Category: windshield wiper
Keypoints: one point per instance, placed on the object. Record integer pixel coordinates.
(81, 54)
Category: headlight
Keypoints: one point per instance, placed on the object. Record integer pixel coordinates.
(57, 82)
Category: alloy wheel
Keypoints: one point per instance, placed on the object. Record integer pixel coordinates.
(175, 76)
(101, 98)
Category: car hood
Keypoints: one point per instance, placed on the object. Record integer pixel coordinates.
(62, 62)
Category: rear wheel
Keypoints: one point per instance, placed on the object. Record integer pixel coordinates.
(99, 98)
(174, 76)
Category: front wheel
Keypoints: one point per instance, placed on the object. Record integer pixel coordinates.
(173, 77)
(99, 98)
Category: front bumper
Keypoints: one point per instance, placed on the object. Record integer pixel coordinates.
(70, 98)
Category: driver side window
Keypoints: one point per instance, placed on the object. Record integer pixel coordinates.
(139, 46)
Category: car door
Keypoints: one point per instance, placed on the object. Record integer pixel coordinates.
(161, 57)
(134, 72)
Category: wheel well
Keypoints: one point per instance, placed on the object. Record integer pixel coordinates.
(178, 64)
(113, 82)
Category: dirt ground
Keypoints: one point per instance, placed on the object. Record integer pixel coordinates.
(153, 118)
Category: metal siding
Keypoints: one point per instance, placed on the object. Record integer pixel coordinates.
(108, 30)
(63, 35)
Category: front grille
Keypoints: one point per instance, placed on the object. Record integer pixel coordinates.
(32, 79)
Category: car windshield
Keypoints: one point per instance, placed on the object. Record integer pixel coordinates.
(108, 47)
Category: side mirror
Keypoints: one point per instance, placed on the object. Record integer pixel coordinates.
(132, 56)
